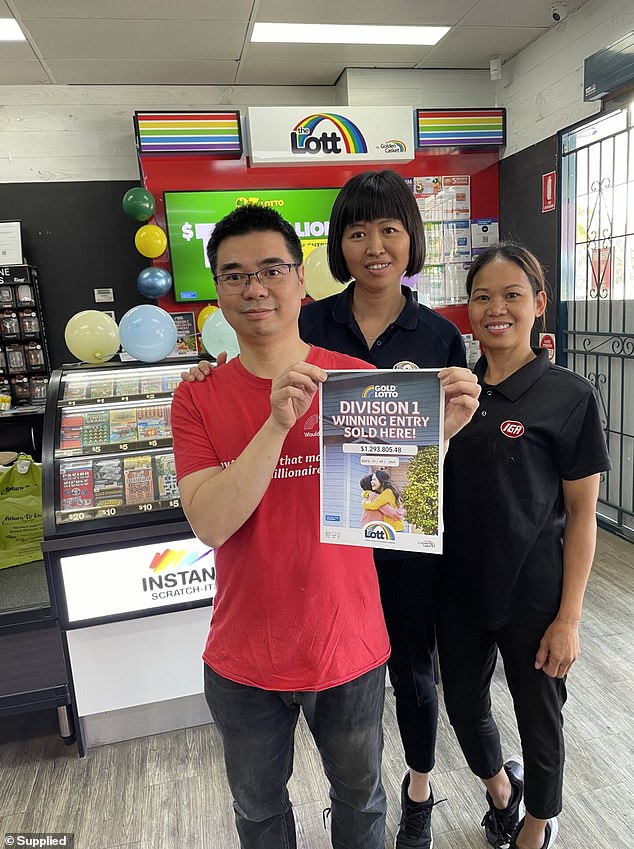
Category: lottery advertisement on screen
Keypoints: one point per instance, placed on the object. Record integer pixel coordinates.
(192, 216)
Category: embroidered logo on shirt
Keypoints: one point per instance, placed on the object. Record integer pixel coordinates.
(512, 429)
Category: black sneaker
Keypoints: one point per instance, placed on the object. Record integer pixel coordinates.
(552, 828)
(500, 825)
(414, 830)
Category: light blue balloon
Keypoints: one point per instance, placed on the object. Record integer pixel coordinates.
(147, 333)
(154, 282)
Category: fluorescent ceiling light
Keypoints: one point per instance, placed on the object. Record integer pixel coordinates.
(10, 31)
(346, 34)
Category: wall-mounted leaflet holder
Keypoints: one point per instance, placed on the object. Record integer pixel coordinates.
(10, 243)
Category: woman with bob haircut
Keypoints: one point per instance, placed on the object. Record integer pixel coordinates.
(375, 238)
(367, 197)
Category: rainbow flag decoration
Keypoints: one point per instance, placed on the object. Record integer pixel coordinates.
(461, 127)
(187, 133)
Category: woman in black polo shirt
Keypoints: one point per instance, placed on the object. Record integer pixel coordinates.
(376, 236)
(521, 485)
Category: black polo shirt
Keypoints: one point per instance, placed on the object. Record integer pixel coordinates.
(504, 509)
(419, 335)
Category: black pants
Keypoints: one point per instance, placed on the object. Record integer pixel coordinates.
(408, 589)
(468, 654)
(258, 736)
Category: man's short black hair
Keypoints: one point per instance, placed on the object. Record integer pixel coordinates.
(253, 218)
(371, 195)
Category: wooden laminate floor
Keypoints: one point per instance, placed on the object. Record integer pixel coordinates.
(168, 791)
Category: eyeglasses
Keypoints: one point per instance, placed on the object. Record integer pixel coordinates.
(268, 277)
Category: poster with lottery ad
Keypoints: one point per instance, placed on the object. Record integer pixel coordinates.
(381, 449)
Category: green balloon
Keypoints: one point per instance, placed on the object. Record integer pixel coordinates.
(138, 204)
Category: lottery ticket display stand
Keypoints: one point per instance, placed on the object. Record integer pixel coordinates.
(132, 583)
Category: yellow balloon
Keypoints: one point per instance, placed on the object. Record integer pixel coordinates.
(318, 280)
(92, 336)
(150, 240)
(204, 314)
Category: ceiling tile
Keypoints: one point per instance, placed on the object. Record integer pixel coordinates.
(501, 13)
(397, 12)
(143, 73)
(262, 72)
(345, 54)
(471, 44)
(11, 50)
(192, 42)
(137, 40)
(22, 73)
(286, 73)
(150, 10)
(432, 63)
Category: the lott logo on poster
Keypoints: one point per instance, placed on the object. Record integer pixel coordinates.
(379, 531)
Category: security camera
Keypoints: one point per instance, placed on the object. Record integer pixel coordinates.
(559, 11)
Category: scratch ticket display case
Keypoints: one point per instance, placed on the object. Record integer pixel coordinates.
(133, 584)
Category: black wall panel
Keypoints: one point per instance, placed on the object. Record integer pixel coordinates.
(521, 216)
(79, 239)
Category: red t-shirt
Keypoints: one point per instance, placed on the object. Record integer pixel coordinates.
(290, 613)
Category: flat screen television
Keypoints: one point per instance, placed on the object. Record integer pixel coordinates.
(191, 217)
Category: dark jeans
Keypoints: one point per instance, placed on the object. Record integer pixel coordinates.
(468, 654)
(408, 590)
(258, 730)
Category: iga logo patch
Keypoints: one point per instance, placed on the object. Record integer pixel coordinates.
(512, 429)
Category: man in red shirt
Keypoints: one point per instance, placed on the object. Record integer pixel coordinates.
(296, 624)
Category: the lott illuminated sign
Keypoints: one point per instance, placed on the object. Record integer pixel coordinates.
(330, 136)
(102, 584)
